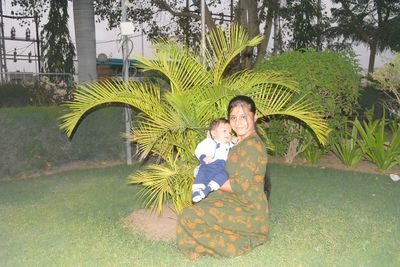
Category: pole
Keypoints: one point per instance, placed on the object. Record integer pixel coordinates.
(142, 40)
(125, 68)
(319, 15)
(3, 58)
(203, 30)
(231, 10)
(38, 43)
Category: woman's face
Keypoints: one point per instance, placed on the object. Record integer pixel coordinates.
(242, 121)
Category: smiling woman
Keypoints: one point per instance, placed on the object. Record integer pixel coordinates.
(242, 117)
(233, 220)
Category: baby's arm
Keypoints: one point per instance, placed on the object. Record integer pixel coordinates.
(207, 159)
(205, 150)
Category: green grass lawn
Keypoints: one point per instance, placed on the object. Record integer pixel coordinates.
(320, 217)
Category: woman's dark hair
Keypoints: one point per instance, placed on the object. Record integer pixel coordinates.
(240, 100)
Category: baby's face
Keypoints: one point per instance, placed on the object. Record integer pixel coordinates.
(222, 133)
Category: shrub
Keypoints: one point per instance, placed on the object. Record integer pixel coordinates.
(330, 80)
(14, 95)
(371, 102)
(388, 79)
(42, 92)
(32, 141)
(46, 92)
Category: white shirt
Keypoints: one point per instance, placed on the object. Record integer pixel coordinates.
(211, 148)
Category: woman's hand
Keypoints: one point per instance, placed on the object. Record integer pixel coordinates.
(226, 187)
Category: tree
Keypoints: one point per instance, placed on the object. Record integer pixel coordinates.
(172, 123)
(373, 22)
(305, 24)
(84, 30)
(58, 49)
(253, 15)
(85, 35)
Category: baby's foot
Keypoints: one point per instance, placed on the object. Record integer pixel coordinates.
(197, 196)
(213, 185)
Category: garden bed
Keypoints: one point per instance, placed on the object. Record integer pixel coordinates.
(331, 161)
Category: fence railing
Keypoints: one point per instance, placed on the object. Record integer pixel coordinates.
(29, 77)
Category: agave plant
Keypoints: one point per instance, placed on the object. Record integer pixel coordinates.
(380, 146)
(170, 124)
(347, 148)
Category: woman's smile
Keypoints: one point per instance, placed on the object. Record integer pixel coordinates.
(242, 121)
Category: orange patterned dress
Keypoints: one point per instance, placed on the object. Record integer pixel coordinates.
(230, 224)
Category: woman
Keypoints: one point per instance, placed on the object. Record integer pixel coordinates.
(233, 220)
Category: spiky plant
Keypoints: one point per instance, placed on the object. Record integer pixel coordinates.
(171, 124)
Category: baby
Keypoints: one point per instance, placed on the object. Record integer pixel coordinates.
(212, 153)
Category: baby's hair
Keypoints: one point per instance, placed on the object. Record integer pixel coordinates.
(215, 123)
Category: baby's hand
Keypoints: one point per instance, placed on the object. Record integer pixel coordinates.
(207, 160)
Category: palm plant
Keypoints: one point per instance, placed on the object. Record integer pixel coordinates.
(170, 124)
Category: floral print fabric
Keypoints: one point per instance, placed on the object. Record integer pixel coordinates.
(230, 224)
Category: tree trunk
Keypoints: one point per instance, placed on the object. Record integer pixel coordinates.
(248, 18)
(277, 48)
(372, 55)
(263, 46)
(85, 37)
(292, 152)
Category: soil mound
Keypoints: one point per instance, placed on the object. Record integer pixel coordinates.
(154, 227)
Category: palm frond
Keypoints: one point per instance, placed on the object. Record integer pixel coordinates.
(302, 110)
(185, 108)
(167, 131)
(211, 102)
(158, 179)
(204, 106)
(182, 67)
(150, 137)
(273, 94)
(247, 80)
(144, 96)
(225, 46)
(163, 182)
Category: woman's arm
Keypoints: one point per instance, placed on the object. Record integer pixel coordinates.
(226, 187)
